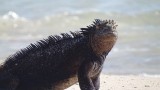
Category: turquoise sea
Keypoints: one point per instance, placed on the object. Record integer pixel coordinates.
(138, 48)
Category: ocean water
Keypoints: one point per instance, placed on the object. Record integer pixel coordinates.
(137, 50)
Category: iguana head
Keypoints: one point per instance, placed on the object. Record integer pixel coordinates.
(102, 35)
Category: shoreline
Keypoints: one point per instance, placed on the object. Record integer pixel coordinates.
(125, 82)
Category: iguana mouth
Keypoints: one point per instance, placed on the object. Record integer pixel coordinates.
(112, 33)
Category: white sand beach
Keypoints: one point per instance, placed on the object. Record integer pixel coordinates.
(126, 82)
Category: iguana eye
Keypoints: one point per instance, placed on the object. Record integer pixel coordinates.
(106, 28)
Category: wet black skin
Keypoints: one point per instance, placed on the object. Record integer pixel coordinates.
(59, 62)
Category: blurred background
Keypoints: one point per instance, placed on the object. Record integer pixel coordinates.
(138, 48)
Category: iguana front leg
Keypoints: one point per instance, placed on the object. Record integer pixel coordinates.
(96, 82)
(84, 76)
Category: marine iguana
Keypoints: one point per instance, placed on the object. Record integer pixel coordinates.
(58, 62)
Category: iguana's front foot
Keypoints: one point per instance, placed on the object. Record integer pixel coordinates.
(88, 80)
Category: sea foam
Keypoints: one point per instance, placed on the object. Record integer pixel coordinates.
(11, 15)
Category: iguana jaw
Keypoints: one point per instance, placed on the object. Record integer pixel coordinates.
(104, 43)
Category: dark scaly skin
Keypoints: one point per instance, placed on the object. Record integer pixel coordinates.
(59, 62)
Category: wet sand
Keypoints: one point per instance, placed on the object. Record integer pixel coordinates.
(126, 82)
